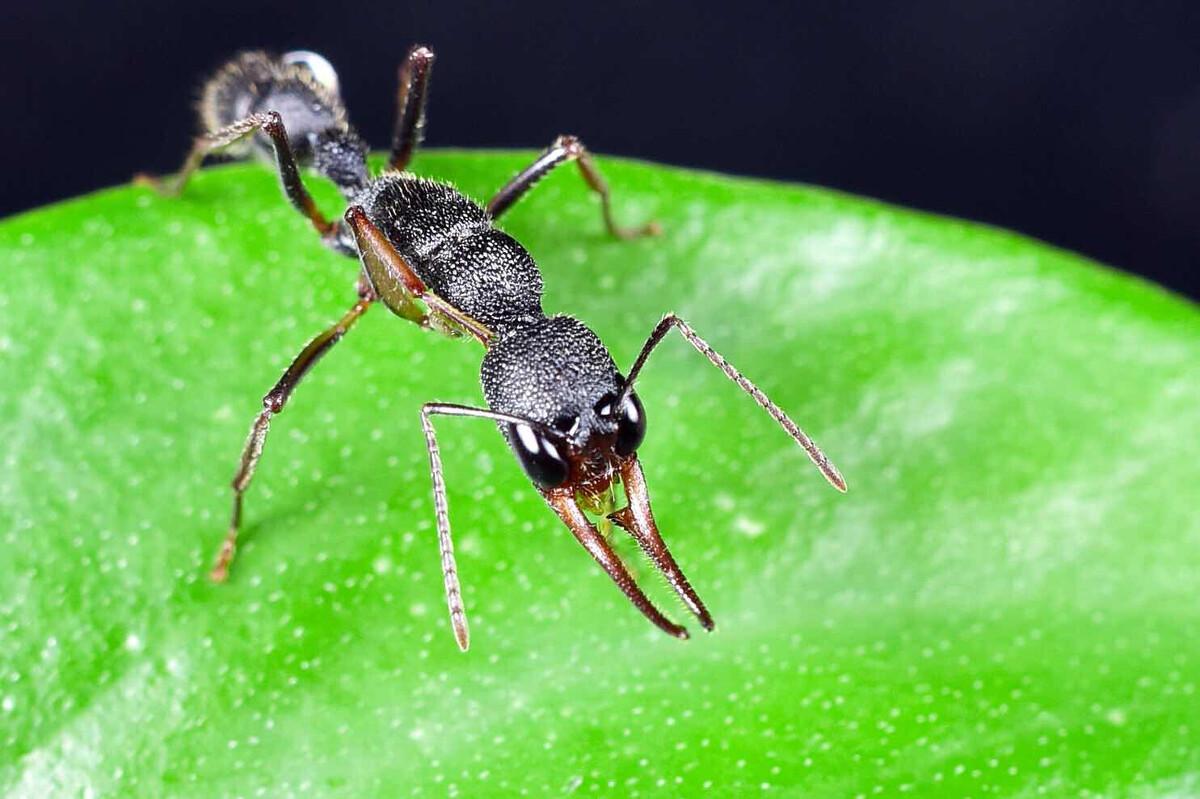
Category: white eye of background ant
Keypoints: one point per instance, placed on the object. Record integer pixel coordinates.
(316, 63)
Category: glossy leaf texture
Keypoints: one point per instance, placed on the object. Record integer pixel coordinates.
(1004, 604)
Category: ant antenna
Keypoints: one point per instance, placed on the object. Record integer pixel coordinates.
(669, 321)
(458, 615)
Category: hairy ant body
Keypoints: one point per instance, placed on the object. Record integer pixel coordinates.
(434, 257)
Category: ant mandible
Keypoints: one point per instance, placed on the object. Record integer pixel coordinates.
(434, 257)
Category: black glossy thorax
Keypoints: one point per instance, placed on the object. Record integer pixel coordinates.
(450, 242)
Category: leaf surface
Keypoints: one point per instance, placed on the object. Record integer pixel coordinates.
(1004, 603)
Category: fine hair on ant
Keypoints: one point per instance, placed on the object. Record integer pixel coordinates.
(433, 256)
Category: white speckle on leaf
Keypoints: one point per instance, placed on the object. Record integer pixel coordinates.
(751, 528)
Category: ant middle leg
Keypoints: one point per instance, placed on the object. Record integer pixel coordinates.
(269, 123)
(410, 106)
(564, 150)
(273, 403)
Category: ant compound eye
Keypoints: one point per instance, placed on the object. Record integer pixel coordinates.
(322, 71)
(539, 456)
(631, 428)
(630, 418)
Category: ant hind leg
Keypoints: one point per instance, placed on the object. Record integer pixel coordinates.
(564, 150)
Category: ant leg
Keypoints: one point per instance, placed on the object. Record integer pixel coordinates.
(637, 519)
(564, 150)
(458, 616)
(393, 280)
(567, 508)
(273, 403)
(669, 321)
(289, 172)
(410, 106)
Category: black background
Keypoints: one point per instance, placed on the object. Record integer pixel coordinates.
(1076, 122)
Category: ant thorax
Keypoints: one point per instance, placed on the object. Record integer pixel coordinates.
(449, 241)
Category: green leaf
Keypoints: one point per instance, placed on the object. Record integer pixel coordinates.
(1004, 603)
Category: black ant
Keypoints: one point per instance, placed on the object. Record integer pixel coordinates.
(434, 257)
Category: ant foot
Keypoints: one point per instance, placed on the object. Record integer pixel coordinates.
(164, 187)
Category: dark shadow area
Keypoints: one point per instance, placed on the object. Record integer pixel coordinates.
(1077, 123)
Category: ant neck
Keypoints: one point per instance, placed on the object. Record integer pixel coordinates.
(518, 326)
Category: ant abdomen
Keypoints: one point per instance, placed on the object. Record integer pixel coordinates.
(301, 87)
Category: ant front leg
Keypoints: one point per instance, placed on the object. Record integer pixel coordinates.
(273, 403)
(271, 124)
(564, 150)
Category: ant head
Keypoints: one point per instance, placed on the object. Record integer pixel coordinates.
(557, 374)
